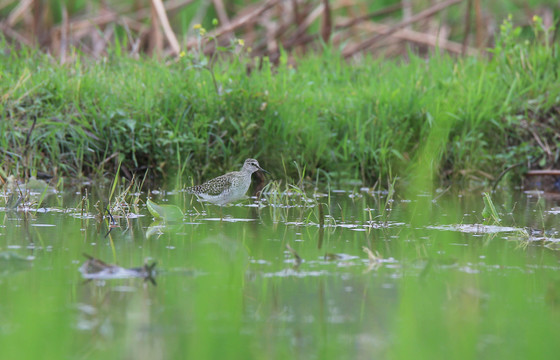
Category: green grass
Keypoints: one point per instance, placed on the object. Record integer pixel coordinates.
(373, 120)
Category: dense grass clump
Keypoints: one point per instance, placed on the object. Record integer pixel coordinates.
(463, 119)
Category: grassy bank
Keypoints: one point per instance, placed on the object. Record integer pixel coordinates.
(467, 119)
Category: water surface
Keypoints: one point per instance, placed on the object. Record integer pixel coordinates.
(263, 279)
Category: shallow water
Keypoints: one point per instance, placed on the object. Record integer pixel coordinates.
(263, 279)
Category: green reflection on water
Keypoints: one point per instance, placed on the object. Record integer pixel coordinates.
(231, 288)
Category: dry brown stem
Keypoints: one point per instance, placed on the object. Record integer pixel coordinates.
(169, 34)
(354, 49)
(264, 26)
(237, 22)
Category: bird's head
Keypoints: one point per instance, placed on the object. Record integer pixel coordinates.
(252, 165)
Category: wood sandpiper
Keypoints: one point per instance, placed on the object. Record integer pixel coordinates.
(228, 187)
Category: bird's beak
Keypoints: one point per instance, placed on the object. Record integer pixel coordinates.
(263, 170)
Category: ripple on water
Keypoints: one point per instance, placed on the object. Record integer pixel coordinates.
(229, 219)
(294, 273)
(474, 228)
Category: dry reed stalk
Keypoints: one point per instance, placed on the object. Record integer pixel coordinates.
(167, 30)
(407, 12)
(300, 38)
(479, 25)
(237, 22)
(294, 22)
(358, 19)
(18, 12)
(64, 35)
(295, 12)
(351, 50)
(326, 23)
(271, 43)
(16, 36)
(155, 37)
(221, 11)
(81, 26)
(467, 26)
(265, 25)
(412, 36)
(102, 19)
(39, 27)
(309, 19)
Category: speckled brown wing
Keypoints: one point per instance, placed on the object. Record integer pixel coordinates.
(212, 187)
